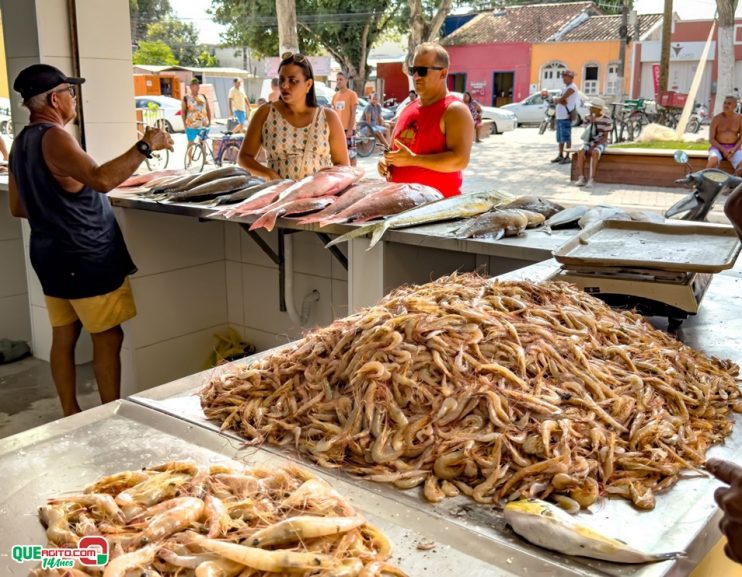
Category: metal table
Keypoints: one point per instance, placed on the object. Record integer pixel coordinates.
(685, 517)
(64, 456)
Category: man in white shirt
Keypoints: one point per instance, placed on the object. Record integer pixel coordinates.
(565, 104)
(238, 105)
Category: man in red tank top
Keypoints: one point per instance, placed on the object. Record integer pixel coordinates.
(433, 137)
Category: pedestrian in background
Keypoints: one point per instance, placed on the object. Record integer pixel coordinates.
(196, 111)
(566, 109)
(345, 103)
(239, 105)
(476, 113)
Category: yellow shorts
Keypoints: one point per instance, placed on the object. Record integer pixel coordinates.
(97, 314)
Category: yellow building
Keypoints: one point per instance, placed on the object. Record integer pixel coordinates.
(591, 49)
(4, 92)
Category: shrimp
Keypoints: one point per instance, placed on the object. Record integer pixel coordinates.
(114, 484)
(219, 568)
(134, 560)
(100, 503)
(305, 527)
(273, 561)
(187, 561)
(187, 511)
(158, 487)
(56, 520)
(217, 516)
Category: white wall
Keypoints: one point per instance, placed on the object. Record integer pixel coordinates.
(15, 320)
(679, 79)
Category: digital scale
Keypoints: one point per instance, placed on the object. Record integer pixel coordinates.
(657, 269)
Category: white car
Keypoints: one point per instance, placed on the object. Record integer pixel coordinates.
(531, 110)
(502, 120)
(171, 109)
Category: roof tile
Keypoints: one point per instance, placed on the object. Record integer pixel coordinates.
(601, 28)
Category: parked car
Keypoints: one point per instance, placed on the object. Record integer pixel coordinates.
(531, 110)
(170, 107)
(502, 120)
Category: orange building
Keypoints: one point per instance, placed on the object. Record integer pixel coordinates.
(591, 49)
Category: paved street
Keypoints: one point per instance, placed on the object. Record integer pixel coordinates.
(518, 162)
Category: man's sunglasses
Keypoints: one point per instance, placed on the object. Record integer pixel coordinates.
(422, 71)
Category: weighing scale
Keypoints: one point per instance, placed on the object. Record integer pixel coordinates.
(657, 269)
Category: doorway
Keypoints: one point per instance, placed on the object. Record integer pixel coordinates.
(457, 82)
(502, 88)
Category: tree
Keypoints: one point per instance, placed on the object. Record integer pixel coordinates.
(181, 37)
(146, 12)
(426, 20)
(156, 52)
(345, 28)
(724, 79)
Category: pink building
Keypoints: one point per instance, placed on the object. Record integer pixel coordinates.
(491, 54)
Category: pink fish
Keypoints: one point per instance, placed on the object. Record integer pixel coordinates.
(258, 201)
(392, 199)
(327, 182)
(296, 206)
(346, 199)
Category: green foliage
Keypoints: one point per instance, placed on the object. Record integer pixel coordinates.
(181, 37)
(156, 52)
(146, 12)
(205, 59)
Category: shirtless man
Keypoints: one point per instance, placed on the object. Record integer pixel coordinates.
(726, 136)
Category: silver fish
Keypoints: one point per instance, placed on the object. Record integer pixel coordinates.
(566, 218)
(550, 527)
(213, 188)
(536, 204)
(496, 224)
(244, 193)
(461, 206)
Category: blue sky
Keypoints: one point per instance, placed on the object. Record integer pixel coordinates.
(195, 11)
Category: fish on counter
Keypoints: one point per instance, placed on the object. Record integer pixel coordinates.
(247, 192)
(352, 195)
(192, 180)
(327, 182)
(548, 526)
(604, 212)
(393, 199)
(566, 218)
(454, 207)
(214, 188)
(259, 200)
(151, 177)
(296, 206)
(535, 204)
(499, 223)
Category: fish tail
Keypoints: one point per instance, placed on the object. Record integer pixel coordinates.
(667, 556)
(379, 231)
(353, 234)
(267, 221)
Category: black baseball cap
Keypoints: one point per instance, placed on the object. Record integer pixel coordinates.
(39, 78)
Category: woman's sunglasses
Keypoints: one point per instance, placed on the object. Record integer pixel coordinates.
(422, 71)
(295, 56)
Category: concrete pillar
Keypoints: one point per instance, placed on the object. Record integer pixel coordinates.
(38, 31)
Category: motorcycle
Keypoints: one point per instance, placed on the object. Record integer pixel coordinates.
(549, 116)
(698, 118)
(707, 185)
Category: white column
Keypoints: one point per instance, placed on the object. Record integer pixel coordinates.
(365, 273)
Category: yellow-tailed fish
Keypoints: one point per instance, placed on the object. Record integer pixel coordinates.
(548, 526)
(454, 207)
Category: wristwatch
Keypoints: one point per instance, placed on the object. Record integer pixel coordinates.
(144, 148)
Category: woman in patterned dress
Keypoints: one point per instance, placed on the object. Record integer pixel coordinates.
(299, 137)
(476, 113)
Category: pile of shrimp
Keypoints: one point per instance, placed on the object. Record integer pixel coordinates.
(180, 520)
(498, 390)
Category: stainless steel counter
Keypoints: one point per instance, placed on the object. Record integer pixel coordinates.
(533, 246)
(64, 456)
(685, 518)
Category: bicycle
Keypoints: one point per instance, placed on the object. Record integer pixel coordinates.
(159, 158)
(197, 151)
(364, 139)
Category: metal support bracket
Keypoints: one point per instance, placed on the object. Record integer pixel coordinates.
(334, 251)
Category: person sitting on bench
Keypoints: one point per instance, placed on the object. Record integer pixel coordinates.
(725, 136)
(595, 140)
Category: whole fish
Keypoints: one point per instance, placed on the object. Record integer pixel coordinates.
(496, 224)
(296, 206)
(461, 206)
(346, 199)
(245, 193)
(192, 181)
(259, 200)
(392, 199)
(180, 183)
(327, 182)
(535, 204)
(151, 177)
(213, 188)
(566, 218)
(602, 212)
(550, 527)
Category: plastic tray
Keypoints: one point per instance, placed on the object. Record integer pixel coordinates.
(674, 247)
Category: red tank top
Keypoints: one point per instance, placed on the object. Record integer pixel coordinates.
(419, 128)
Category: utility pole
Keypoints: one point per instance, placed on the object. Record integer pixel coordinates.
(288, 39)
(665, 57)
(623, 31)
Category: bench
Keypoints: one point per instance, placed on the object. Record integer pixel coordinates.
(645, 167)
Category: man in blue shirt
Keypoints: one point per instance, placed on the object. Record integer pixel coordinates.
(372, 115)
